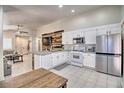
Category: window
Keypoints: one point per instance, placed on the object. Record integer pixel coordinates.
(7, 43)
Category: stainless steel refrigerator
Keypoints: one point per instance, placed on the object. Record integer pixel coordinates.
(108, 54)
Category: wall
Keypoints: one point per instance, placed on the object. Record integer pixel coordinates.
(101, 16)
(1, 44)
(123, 41)
(21, 44)
(122, 12)
(9, 35)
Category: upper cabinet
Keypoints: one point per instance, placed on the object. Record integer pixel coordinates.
(101, 30)
(90, 36)
(67, 38)
(109, 29)
(90, 33)
(114, 28)
(78, 34)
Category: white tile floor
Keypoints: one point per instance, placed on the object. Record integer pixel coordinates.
(87, 78)
(77, 77)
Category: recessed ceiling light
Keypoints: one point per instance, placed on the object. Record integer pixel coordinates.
(60, 6)
(73, 11)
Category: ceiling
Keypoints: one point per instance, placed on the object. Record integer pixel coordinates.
(35, 15)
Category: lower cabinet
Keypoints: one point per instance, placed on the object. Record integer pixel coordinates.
(46, 61)
(59, 58)
(50, 60)
(89, 60)
(55, 59)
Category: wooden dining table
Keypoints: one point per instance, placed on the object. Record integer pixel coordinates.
(40, 78)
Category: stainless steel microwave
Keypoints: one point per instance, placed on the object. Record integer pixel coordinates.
(80, 40)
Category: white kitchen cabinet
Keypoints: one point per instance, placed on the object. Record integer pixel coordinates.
(89, 60)
(67, 38)
(101, 30)
(64, 38)
(74, 34)
(59, 58)
(114, 28)
(37, 61)
(78, 33)
(90, 36)
(109, 29)
(65, 56)
(47, 61)
(62, 57)
(55, 59)
(44, 61)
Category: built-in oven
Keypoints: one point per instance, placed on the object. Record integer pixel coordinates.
(80, 40)
(77, 58)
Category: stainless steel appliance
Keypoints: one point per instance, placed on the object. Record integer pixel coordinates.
(77, 58)
(80, 40)
(108, 54)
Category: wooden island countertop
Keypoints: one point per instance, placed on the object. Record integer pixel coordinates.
(39, 78)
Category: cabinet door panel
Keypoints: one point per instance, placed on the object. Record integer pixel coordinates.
(90, 37)
(89, 60)
(102, 30)
(43, 65)
(54, 60)
(114, 28)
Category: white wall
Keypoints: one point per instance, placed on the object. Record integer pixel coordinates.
(1, 44)
(123, 41)
(122, 12)
(101, 16)
(9, 35)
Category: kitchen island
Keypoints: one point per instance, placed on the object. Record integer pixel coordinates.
(39, 78)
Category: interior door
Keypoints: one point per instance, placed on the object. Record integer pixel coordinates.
(101, 63)
(114, 44)
(101, 44)
(114, 65)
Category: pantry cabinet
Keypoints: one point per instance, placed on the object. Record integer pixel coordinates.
(89, 60)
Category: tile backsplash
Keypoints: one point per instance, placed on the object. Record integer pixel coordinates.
(68, 47)
(88, 47)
